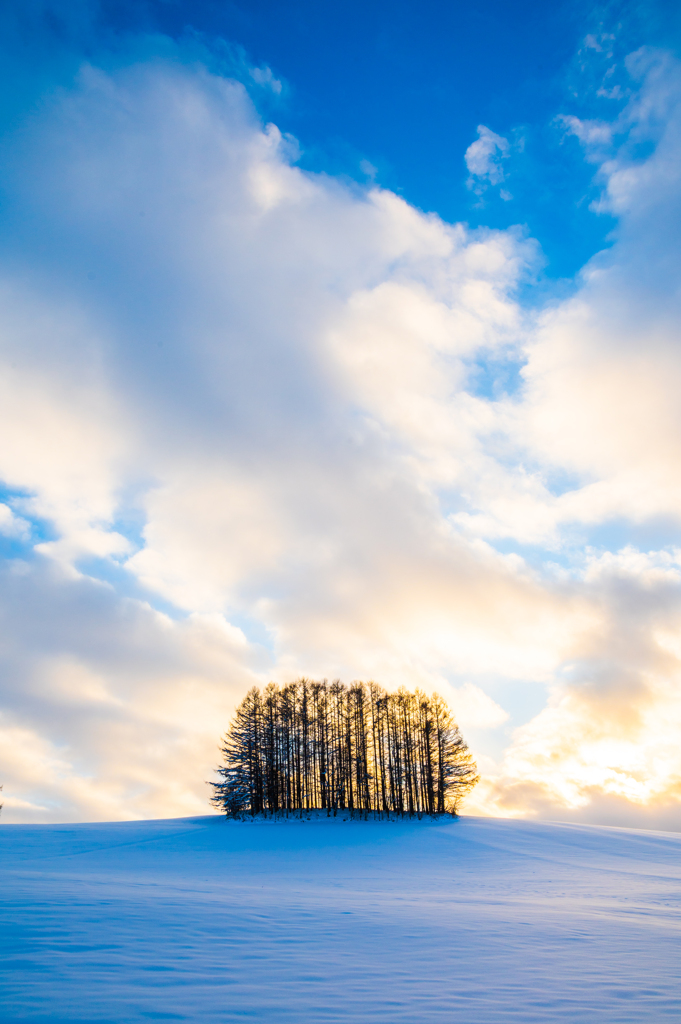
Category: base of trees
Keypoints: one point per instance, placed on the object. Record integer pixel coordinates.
(340, 814)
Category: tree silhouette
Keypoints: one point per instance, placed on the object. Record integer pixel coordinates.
(314, 745)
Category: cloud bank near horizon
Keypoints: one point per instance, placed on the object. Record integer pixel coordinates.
(262, 423)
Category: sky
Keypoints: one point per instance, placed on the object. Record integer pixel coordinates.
(340, 342)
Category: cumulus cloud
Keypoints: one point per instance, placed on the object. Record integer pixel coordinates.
(190, 409)
(606, 746)
(601, 401)
(110, 709)
(247, 437)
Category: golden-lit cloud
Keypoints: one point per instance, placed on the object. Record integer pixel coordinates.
(246, 439)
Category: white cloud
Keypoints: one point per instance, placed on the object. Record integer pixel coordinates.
(484, 159)
(12, 525)
(110, 709)
(251, 392)
(474, 709)
(205, 380)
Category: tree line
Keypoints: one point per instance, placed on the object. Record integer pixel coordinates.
(317, 745)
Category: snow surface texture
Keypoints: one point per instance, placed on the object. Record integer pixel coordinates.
(476, 921)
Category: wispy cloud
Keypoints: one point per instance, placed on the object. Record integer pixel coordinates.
(484, 160)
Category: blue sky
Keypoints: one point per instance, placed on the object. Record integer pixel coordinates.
(394, 91)
(340, 341)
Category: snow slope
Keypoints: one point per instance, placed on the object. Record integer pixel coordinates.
(475, 921)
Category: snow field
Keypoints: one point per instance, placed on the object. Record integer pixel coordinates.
(475, 921)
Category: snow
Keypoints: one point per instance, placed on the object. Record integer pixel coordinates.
(475, 921)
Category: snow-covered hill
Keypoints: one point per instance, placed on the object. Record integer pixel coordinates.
(476, 921)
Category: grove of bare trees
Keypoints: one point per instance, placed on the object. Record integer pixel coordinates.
(326, 746)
